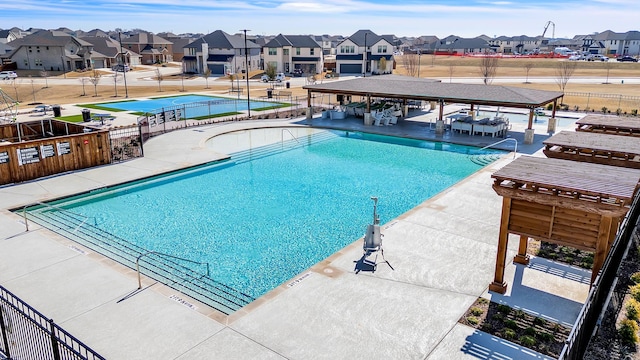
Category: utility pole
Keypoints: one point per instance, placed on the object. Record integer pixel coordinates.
(124, 72)
(246, 61)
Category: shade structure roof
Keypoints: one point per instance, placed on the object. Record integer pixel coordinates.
(405, 87)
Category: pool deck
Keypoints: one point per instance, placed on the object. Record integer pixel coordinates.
(443, 252)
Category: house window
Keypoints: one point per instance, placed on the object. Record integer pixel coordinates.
(347, 49)
(312, 51)
(297, 51)
(285, 51)
(382, 49)
(38, 62)
(26, 62)
(273, 51)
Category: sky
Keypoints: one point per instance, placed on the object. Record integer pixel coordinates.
(566, 18)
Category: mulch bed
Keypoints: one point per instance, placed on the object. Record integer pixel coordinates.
(517, 326)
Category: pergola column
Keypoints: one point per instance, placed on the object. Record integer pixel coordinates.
(528, 132)
(522, 257)
(551, 126)
(440, 121)
(367, 112)
(499, 285)
(309, 107)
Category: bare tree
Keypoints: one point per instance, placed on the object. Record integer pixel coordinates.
(33, 89)
(14, 83)
(527, 67)
(45, 75)
(95, 79)
(116, 80)
(382, 65)
(564, 71)
(159, 77)
(84, 81)
(488, 68)
(206, 72)
(410, 63)
(452, 68)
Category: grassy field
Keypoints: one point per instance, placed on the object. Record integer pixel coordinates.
(443, 67)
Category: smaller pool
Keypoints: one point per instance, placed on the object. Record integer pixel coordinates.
(191, 106)
(524, 118)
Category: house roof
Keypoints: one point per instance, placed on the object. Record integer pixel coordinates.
(48, 38)
(145, 38)
(303, 41)
(462, 43)
(107, 46)
(405, 87)
(222, 40)
(358, 38)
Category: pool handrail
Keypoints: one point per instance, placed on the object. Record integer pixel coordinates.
(167, 255)
(515, 148)
(290, 133)
(26, 223)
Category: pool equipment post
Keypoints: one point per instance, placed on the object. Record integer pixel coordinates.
(376, 219)
(24, 214)
(246, 66)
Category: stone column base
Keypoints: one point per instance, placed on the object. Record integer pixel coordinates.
(551, 126)
(439, 127)
(309, 112)
(368, 120)
(528, 136)
(521, 259)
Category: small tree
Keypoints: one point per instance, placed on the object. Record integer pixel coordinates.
(270, 71)
(410, 64)
(159, 78)
(95, 79)
(527, 67)
(116, 79)
(564, 71)
(382, 65)
(84, 81)
(488, 68)
(452, 68)
(206, 73)
(45, 75)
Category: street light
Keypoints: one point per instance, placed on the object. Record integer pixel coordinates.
(124, 70)
(246, 61)
(364, 56)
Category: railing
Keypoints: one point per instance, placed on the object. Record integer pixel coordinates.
(602, 287)
(171, 273)
(48, 206)
(290, 133)
(27, 334)
(515, 147)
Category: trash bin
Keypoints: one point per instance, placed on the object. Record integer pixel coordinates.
(86, 115)
(269, 93)
(288, 84)
(56, 110)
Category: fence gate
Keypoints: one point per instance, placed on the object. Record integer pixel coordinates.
(126, 143)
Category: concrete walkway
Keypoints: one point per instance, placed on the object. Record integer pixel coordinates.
(443, 252)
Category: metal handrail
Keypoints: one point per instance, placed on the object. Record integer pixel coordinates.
(167, 255)
(26, 223)
(515, 148)
(290, 133)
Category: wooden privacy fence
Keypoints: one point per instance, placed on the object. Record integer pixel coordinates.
(30, 150)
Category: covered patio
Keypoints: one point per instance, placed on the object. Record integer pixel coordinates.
(406, 89)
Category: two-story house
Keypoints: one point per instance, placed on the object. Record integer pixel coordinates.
(152, 48)
(221, 53)
(612, 43)
(362, 53)
(51, 51)
(294, 52)
(107, 53)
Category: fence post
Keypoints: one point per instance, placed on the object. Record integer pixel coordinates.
(54, 341)
(3, 330)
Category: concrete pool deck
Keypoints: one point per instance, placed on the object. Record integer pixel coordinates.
(443, 252)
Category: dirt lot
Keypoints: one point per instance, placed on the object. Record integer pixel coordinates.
(435, 67)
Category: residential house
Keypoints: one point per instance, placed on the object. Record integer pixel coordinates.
(454, 45)
(611, 43)
(221, 53)
(521, 44)
(51, 50)
(289, 52)
(361, 53)
(106, 53)
(152, 48)
(7, 36)
(179, 42)
(326, 44)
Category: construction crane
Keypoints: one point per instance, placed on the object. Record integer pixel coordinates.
(553, 31)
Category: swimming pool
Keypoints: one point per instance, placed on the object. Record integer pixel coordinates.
(192, 106)
(259, 223)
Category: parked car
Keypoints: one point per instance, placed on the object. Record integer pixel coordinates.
(121, 68)
(297, 72)
(576, 57)
(597, 57)
(279, 78)
(627, 58)
(6, 75)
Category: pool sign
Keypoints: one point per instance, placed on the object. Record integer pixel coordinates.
(47, 151)
(64, 148)
(28, 155)
(4, 157)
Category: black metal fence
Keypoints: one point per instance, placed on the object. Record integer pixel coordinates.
(126, 143)
(27, 334)
(596, 303)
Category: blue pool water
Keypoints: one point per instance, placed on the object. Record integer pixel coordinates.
(261, 222)
(219, 105)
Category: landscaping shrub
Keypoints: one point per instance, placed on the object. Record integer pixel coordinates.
(635, 292)
(520, 314)
(473, 320)
(527, 340)
(635, 277)
(509, 334)
(539, 321)
(476, 311)
(511, 324)
(633, 309)
(629, 331)
(505, 309)
(530, 331)
(545, 336)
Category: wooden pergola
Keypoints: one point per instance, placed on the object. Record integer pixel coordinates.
(565, 202)
(609, 124)
(594, 148)
(409, 88)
